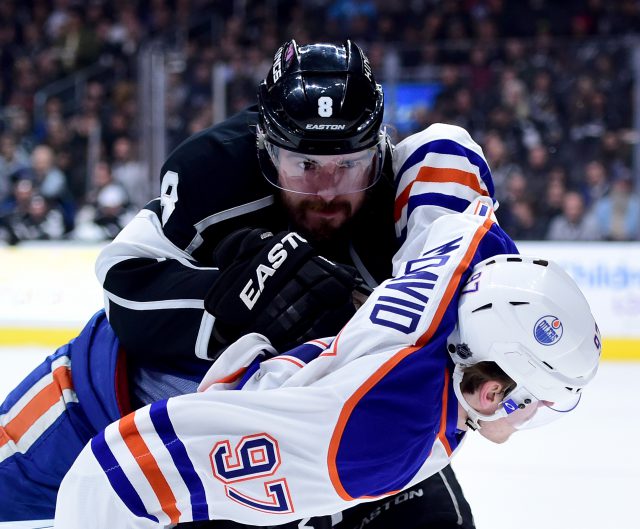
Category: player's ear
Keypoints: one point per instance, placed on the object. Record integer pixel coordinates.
(490, 394)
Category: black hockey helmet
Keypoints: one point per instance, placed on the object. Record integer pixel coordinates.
(320, 99)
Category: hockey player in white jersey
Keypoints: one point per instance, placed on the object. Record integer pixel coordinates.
(462, 337)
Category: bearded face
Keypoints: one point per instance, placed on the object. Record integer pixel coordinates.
(319, 218)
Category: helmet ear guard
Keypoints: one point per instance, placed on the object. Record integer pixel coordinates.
(529, 317)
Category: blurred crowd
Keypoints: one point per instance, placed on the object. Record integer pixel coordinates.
(545, 87)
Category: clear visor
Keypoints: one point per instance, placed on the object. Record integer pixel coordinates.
(524, 411)
(338, 174)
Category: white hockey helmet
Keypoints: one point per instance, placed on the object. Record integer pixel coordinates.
(529, 317)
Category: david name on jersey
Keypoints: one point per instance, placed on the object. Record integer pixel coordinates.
(404, 299)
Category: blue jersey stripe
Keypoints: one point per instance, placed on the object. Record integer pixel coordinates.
(306, 352)
(279, 506)
(437, 199)
(162, 423)
(253, 367)
(119, 481)
(452, 434)
(432, 199)
(446, 146)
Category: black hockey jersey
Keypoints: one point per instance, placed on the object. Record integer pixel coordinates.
(158, 270)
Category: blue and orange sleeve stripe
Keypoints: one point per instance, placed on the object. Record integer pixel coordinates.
(441, 175)
(149, 467)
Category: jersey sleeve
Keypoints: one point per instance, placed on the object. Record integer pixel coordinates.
(440, 170)
(158, 270)
(328, 425)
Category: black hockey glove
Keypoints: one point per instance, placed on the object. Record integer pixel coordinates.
(279, 287)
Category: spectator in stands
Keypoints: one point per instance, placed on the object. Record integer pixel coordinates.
(101, 177)
(525, 223)
(516, 189)
(51, 182)
(618, 212)
(31, 217)
(553, 200)
(538, 167)
(544, 108)
(41, 222)
(130, 173)
(13, 159)
(200, 92)
(586, 115)
(502, 166)
(595, 182)
(57, 18)
(77, 44)
(614, 148)
(126, 33)
(513, 92)
(19, 124)
(574, 223)
(110, 215)
(107, 209)
(536, 79)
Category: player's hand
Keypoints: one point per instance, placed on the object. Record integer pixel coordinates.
(278, 286)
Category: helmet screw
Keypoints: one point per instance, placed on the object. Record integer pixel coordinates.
(527, 401)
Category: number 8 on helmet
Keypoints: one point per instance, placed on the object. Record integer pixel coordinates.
(321, 103)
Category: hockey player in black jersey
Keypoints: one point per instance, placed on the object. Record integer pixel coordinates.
(318, 123)
(215, 256)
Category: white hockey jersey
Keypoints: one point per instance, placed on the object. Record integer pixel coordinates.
(271, 439)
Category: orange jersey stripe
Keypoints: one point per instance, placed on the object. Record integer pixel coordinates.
(382, 371)
(232, 377)
(149, 466)
(455, 280)
(37, 406)
(442, 433)
(440, 175)
(334, 346)
(294, 361)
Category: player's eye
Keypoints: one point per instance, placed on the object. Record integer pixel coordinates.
(308, 165)
(348, 164)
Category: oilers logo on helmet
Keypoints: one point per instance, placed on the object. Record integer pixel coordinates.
(548, 330)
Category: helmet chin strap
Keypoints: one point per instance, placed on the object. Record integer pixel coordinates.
(473, 416)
